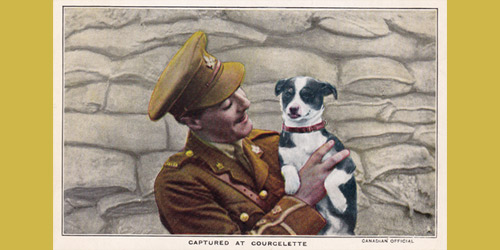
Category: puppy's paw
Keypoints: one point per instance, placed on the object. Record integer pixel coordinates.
(340, 203)
(292, 180)
(291, 186)
(332, 184)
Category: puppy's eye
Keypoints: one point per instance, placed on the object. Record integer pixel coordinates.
(289, 92)
(306, 95)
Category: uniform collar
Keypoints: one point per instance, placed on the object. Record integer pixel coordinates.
(254, 154)
(220, 162)
(216, 159)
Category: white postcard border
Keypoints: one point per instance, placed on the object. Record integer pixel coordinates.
(124, 242)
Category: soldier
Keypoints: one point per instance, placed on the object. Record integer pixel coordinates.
(227, 179)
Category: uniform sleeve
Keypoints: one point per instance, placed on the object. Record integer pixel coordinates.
(187, 207)
(290, 216)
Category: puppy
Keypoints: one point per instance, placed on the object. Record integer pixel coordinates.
(303, 132)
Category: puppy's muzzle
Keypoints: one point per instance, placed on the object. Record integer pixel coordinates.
(294, 112)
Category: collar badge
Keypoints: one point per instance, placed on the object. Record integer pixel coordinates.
(256, 149)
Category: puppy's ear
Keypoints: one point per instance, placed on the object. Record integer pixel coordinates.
(279, 86)
(328, 89)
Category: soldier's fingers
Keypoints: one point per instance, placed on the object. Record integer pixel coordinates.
(330, 162)
(317, 156)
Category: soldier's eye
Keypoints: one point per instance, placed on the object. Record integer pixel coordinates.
(226, 104)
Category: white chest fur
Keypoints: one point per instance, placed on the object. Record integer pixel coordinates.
(305, 145)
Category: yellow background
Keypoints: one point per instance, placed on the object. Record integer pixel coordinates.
(26, 103)
(26, 125)
(473, 125)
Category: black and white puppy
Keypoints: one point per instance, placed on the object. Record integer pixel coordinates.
(303, 132)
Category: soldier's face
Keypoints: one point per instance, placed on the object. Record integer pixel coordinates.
(227, 121)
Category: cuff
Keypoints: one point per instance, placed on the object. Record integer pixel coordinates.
(290, 216)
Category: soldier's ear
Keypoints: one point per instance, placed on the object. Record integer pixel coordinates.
(192, 122)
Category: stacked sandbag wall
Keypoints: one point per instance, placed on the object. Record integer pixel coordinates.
(382, 62)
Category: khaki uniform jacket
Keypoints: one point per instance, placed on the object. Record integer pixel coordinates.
(192, 199)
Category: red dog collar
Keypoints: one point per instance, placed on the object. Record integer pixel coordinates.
(308, 129)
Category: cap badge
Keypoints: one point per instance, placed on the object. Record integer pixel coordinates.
(210, 61)
(256, 149)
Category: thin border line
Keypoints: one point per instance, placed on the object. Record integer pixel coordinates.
(247, 7)
(63, 53)
(436, 171)
(266, 236)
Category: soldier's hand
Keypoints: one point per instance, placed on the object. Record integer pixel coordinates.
(314, 172)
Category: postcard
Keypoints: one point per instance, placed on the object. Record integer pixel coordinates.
(126, 74)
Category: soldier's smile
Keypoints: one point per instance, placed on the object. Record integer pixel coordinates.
(242, 119)
(228, 121)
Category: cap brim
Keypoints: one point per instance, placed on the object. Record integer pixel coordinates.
(228, 82)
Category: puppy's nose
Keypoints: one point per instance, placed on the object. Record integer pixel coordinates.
(294, 110)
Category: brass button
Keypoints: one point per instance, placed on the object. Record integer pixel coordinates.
(189, 153)
(263, 194)
(244, 217)
(219, 165)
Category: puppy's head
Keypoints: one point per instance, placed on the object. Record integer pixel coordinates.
(302, 97)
